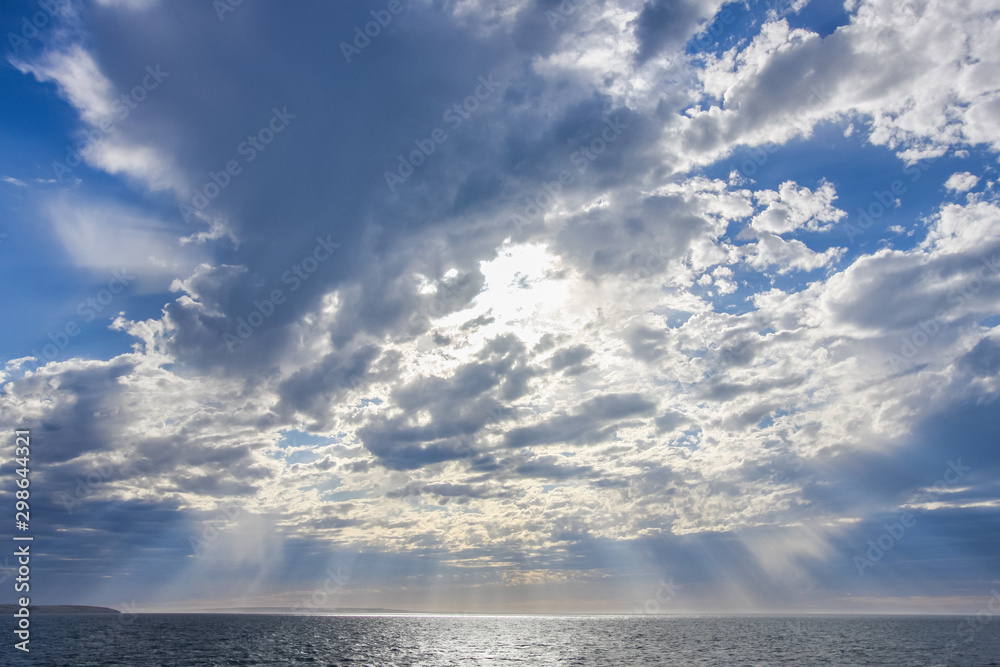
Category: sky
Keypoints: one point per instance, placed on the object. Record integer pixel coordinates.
(639, 306)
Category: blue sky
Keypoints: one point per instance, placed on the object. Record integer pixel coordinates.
(527, 307)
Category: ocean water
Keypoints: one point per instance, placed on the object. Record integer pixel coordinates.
(179, 640)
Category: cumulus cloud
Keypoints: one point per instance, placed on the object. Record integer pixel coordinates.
(793, 207)
(927, 92)
(562, 334)
(961, 181)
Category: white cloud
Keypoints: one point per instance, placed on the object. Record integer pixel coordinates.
(117, 155)
(961, 181)
(107, 143)
(135, 5)
(922, 87)
(469, 393)
(78, 78)
(103, 236)
(772, 250)
(794, 207)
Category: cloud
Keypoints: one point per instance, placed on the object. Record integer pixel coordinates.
(793, 207)
(591, 423)
(961, 181)
(550, 467)
(78, 78)
(666, 23)
(786, 80)
(104, 236)
(109, 142)
(570, 359)
(564, 346)
(772, 250)
(983, 360)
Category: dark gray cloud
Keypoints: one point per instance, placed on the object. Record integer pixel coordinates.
(665, 24)
(645, 343)
(548, 467)
(570, 359)
(480, 321)
(983, 360)
(743, 434)
(447, 491)
(315, 390)
(460, 407)
(726, 391)
(602, 245)
(669, 421)
(82, 416)
(344, 124)
(593, 421)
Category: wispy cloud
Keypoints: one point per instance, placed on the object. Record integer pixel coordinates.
(680, 298)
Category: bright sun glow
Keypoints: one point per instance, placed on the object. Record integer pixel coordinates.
(521, 283)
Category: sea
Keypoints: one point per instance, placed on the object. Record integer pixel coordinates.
(179, 640)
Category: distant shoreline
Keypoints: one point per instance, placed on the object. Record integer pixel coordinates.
(377, 611)
(60, 609)
(288, 611)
